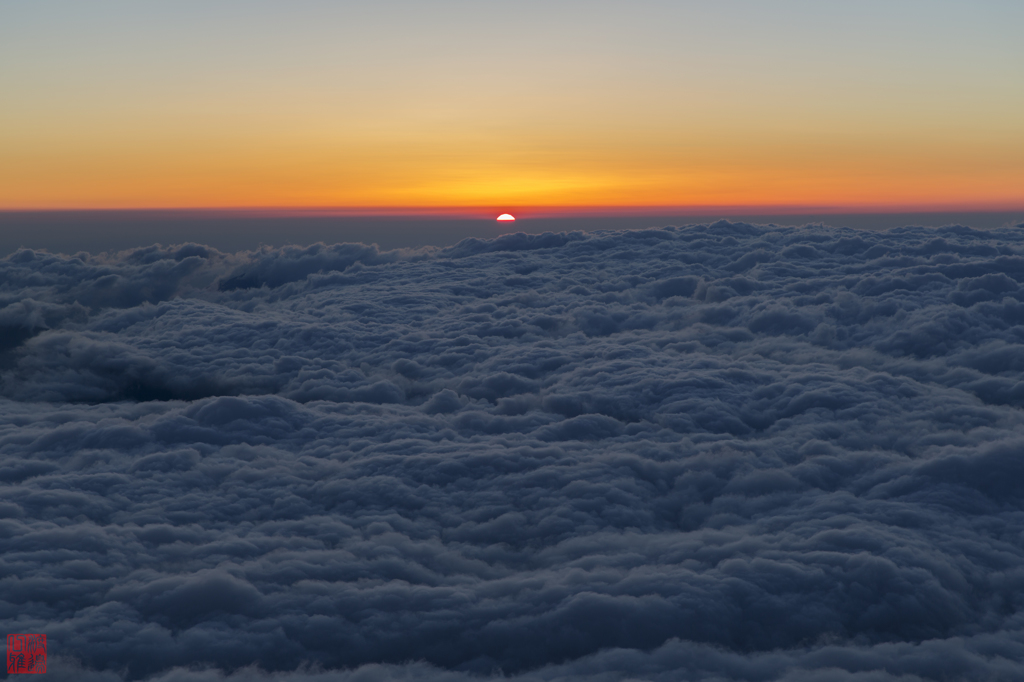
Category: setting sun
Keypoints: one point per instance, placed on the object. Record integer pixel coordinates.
(506, 216)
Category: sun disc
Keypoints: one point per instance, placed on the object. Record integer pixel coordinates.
(506, 216)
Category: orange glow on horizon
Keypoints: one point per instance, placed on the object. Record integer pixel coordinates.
(59, 174)
(544, 164)
(752, 189)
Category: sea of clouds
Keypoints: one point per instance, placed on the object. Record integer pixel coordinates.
(722, 452)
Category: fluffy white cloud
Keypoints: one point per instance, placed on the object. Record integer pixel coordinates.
(717, 452)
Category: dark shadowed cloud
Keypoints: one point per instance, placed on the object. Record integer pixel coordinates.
(724, 452)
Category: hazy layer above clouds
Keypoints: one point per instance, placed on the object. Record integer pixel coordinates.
(717, 452)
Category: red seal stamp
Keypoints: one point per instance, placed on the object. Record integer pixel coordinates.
(26, 654)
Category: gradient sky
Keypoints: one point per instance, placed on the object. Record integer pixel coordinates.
(882, 105)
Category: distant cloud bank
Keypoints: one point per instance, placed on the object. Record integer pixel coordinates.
(723, 452)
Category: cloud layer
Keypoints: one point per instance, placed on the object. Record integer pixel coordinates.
(722, 452)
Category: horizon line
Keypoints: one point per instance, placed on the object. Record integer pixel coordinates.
(524, 212)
